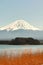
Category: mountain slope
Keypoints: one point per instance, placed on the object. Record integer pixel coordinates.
(8, 35)
(19, 24)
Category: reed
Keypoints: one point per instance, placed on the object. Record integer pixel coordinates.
(23, 59)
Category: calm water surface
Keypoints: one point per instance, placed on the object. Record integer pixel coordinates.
(20, 46)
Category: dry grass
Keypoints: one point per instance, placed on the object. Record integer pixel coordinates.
(24, 59)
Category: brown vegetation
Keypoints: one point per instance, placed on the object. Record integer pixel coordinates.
(24, 59)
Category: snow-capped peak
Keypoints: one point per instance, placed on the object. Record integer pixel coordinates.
(19, 24)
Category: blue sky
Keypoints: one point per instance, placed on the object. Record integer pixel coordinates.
(29, 10)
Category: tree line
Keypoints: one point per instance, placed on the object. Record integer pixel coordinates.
(21, 41)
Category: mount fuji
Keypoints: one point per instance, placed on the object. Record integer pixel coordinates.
(19, 24)
(20, 28)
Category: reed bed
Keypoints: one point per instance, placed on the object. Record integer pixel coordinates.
(23, 59)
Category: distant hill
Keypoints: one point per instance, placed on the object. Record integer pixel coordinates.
(21, 41)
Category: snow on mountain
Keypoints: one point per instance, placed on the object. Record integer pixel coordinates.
(19, 24)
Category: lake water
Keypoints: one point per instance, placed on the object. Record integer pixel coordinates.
(19, 48)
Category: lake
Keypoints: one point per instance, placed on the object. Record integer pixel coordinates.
(20, 47)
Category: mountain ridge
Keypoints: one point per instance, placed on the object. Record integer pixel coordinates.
(8, 35)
